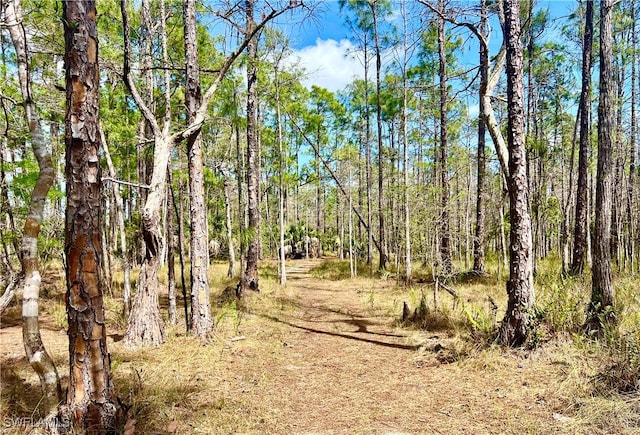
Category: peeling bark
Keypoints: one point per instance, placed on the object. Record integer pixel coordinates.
(91, 405)
(516, 325)
(201, 320)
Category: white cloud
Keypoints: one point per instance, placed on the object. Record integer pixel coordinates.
(329, 64)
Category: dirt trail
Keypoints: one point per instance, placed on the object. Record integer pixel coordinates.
(351, 372)
(319, 357)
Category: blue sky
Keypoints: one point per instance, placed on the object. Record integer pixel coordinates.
(323, 43)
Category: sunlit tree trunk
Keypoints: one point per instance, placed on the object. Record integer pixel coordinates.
(282, 254)
(36, 353)
(601, 306)
(445, 235)
(382, 244)
(516, 325)
(119, 205)
(249, 279)
(201, 321)
(172, 312)
(91, 406)
(145, 326)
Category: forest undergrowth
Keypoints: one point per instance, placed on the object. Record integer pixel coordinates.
(331, 354)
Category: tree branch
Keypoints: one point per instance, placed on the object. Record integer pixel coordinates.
(126, 183)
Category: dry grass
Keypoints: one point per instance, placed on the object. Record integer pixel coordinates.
(329, 356)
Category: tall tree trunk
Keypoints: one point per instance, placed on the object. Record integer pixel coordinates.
(405, 156)
(172, 313)
(119, 205)
(249, 279)
(227, 206)
(37, 355)
(201, 321)
(382, 244)
(145, 326)
(180, 215)
(601, 306)
(632, 142)
(584, 108)
(445, 234)
(479, 239)
(91, 406)
(516, 325)
(282, 254)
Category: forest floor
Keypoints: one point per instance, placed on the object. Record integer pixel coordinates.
(325, 356)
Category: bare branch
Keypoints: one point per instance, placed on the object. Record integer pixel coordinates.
(126, 183)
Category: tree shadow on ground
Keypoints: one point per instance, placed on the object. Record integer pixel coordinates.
(341, 335)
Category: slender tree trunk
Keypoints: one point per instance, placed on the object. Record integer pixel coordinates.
(368, 155)
(180, 214)
(632, 142)
(479, 239)
(36, 353)
(601, 306)
(172, 314)
(405, 174)
(282, 253)
(201, 321)
(584, 106)
(249, 279)
(231, 271)
(445, 234)
(91, 406)
(119, 205)
(382, 244)
(516, 325)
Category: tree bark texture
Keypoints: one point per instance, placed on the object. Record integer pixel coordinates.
(601, 282)
(201, 320)
(516, 325)
(249, 279)
(172, 312)
(34, 347)
(91, 405)
(382, 244)
(445, 234)
(479, 239)
(145, 326)
(584, 109)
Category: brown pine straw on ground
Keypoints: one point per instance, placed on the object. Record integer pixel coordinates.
(329, 357)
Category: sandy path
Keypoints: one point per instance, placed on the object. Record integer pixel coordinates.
(349, 372)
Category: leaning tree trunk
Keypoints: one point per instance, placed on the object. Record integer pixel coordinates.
(601, 306)
(516, 325)
(249, 279)
(91, 406)
(33, 345)
(201, 321)
(145, 326)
